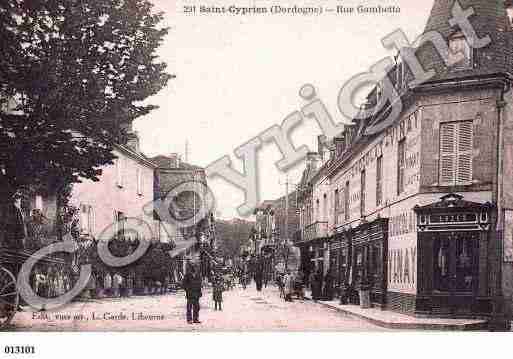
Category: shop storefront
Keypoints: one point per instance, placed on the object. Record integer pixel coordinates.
(369, 258)
(340, 258)
(453, 267)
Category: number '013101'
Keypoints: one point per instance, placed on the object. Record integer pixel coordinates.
(19, 349)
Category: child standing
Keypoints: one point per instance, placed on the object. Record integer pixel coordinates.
(217, 292)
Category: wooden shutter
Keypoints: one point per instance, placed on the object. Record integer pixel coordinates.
(464, 153)
(447, 153)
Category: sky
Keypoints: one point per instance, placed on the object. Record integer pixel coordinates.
(238, 75)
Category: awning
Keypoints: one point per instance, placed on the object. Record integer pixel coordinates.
(181, 247)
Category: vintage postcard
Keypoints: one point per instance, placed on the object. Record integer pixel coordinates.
(255, 166)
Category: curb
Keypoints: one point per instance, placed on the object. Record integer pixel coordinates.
(483, 326)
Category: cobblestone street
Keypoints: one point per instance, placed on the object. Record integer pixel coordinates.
(243, 310)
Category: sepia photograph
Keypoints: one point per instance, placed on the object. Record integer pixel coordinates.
(265, 166)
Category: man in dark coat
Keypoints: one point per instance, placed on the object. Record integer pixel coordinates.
(316, 285)
(259, 274)
(192, 286)
(328, 285)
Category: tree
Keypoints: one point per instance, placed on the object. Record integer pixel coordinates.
(73, 74)
(232, 236)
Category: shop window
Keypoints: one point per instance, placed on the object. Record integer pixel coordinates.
(456, 147)
(442, 265)
(343, 265)
(466, 253)
(359, 266)
(461, 251)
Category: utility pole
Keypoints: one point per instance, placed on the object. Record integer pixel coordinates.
(284, 233)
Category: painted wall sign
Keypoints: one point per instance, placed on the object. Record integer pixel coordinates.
(402, 267)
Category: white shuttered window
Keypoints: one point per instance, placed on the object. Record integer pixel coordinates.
(119, 172)
(456, 147)
(139, 181)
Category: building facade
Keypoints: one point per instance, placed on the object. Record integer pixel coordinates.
(124, 191)
(420, 211)
(173, 175)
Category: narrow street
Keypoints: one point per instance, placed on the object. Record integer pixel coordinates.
(243, 310)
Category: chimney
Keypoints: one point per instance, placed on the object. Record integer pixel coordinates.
(174, 160)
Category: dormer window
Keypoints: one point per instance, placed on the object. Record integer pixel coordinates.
(460, 52)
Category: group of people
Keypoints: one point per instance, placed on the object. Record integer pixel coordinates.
(322, 286)
(222, 280)
(192, 284)
(290, 284)
(50, 283)
(294, 283)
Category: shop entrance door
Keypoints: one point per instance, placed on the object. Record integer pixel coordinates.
(456, 269)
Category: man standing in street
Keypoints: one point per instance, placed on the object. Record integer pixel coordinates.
(192, 286)
(259, 273)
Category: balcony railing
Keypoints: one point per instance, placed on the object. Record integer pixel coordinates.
(312, 231)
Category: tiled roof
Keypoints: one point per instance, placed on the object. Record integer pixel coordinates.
(167, 178)
(489, 19)
(163, 162)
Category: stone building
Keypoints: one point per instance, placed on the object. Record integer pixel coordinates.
(124, 190)
(173, 174)
(420, 211)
